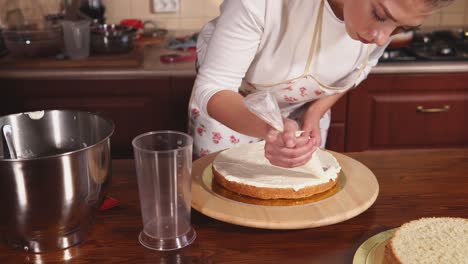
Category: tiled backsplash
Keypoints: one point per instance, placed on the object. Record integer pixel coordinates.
(193, 14)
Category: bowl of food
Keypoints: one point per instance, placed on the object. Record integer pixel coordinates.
(55, 170)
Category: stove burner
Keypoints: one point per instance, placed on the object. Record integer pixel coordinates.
(435, 46)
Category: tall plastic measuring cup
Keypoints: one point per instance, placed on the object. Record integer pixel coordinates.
(76, 36)
(163, 161)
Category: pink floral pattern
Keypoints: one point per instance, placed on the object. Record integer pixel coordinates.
(200, 130)
(195, 113)
(217, 137)
(303, 91)
(204, 152)
(233, 139)
(290, 99)
(318, 92)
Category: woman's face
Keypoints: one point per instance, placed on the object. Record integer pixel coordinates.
(374, 21)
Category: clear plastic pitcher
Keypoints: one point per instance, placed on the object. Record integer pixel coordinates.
(76, 36)
(163, 161)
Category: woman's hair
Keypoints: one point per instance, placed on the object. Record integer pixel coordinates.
(439, 3)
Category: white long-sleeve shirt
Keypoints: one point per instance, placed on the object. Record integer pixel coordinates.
(268, 41)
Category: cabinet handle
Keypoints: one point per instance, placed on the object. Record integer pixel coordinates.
(421, 109)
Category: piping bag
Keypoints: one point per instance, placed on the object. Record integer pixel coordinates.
(264, 105)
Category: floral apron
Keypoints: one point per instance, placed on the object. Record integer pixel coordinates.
(292, 96)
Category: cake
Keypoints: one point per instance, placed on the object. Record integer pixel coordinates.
(429, 240)
(246, 171)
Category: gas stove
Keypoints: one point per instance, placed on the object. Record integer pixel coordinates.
(442, 45)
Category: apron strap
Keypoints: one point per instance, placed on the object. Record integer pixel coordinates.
(315, 37)
(315, 46)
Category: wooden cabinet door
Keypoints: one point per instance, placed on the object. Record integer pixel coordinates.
(135, 106)
(181, 90)
(337, 131)
(409, 111)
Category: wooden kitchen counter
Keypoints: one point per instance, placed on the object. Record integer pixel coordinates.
(152, 67)
(413, 184)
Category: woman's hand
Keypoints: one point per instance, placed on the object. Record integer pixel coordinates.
(313, 131)
(285, 149)
(311, 125)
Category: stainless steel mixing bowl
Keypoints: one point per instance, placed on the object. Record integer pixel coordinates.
(51, 192)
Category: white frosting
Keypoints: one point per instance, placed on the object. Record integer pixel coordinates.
(247, 164)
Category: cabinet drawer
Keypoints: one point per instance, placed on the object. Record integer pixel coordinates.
(405, 120)
(383, 112)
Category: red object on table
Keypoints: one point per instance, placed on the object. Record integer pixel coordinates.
(136, 23)
(175, 57)
(109, 203)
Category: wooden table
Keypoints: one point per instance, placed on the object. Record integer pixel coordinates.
(413, 184)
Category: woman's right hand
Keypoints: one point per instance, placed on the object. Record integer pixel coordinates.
(284, 149)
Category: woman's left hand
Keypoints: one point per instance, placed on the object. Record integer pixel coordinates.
(311, 127)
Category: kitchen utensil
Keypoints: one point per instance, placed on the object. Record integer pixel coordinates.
(72, 11)
(94, 9)
(358, 190)
(50, 193)
(136, 23)
(112, 39)
(8, 140)
(175, 57)
(150, 29)
(76, 35)
(187, 43)
(163, 162)
(34, 42)
(264, 105)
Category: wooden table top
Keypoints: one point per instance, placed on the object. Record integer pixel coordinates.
(413, 184)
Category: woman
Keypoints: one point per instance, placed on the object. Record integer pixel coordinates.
(307, 53)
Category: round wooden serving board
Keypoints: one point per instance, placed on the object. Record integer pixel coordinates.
(358, 189)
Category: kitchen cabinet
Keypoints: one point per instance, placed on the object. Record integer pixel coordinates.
(135, 106)
(387, 111)
(337, 131)
(400, 111)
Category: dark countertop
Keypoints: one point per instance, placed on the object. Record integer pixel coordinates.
(413, 184)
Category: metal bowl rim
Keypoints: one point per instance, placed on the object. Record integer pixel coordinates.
(69, 152)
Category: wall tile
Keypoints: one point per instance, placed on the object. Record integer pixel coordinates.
(433, 20)
(195, 13)
(118, 8)
(194, 24)
(171, 24)
(211, 7)
(191, 8)
(458, 6)
(452, 19)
